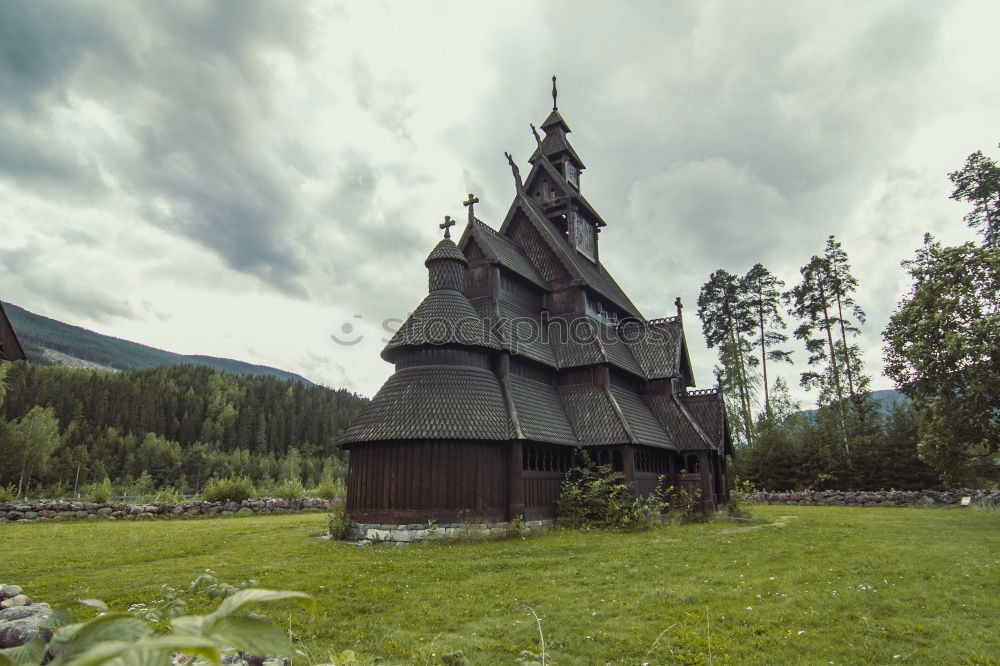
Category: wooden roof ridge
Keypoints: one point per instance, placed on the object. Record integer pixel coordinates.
(9, 335)
(508, 399)
(621, 416)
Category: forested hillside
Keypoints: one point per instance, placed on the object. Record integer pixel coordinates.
(38, 334)
(181, 425)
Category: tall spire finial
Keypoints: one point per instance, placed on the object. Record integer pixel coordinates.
(447, 225)
(555, 93)
(517, 173)
(469, 203)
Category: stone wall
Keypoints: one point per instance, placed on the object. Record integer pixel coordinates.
(376, 532)
(40, 510)
(879, 497)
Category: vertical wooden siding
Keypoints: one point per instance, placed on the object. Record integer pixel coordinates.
(417, 480)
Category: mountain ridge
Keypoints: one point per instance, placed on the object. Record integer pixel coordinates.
(48, 341)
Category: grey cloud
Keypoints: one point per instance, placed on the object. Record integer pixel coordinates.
(54, 291)
(186, 84)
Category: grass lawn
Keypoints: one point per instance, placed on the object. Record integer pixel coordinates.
(827, 585)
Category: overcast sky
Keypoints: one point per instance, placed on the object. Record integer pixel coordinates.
(242, 178)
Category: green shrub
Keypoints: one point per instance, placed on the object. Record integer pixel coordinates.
(168, 496)
(230, 489)
(100, 492)
(8, 494)
(683, 506)
(290, 489)
(594, 496)
(331, 489)
(143, 486)
(339, 525)
(739, 497)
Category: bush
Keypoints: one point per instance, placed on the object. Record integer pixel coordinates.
(7, 494)
(339, 525)
(331, 489)
(739, 496)
(683, 506)
(100, 492)
(231, 489)
(594, 496)
(290, 489)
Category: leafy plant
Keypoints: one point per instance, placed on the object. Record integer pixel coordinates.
(683, 506)
(739, 497)
(330, 489)
(339, 525)
(593, 496)
(289, 489)
(100, 492)
(7, 494)
(122, 639)
(231, 489)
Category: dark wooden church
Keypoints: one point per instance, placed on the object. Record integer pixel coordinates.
(524, 353)
(10, 346)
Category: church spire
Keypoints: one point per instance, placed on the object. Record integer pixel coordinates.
(555, 145)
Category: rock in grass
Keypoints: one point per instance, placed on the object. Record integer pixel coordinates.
(17, 600)
(8, 591)
(19, 632)
(21, 612)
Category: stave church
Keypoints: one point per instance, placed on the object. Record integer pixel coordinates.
(524, 354)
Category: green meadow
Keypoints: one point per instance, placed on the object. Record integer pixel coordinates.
(800, 585)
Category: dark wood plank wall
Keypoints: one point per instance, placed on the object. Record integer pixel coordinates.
(450, 481)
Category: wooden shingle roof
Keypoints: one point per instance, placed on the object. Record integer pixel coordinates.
(540, 412)
(443, 317)
(502, 250)
(434, 402)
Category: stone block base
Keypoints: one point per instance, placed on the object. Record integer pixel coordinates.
(377, 532)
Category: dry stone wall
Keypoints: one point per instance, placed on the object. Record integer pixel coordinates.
(927, 498)
(40, 510)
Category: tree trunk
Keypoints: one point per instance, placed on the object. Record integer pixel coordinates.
(741, 380)
(833, 366)
(843, 337)
(763, 353)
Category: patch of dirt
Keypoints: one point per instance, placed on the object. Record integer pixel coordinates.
(739, 530)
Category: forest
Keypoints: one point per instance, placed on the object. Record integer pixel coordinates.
(939, 349)
(166, 427)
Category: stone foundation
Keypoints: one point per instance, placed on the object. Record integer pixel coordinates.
(377, 532)
(39, 510)
(926, 498)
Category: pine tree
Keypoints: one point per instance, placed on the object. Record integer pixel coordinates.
(978, 183)
(842, 285)
(726, 322)
(762, 293)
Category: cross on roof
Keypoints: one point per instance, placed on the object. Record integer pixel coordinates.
(555, 93)
(447, 225)
(679, 305)
(470, 203)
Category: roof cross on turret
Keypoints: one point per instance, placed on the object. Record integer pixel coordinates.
(447, 225)
(555, 94)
